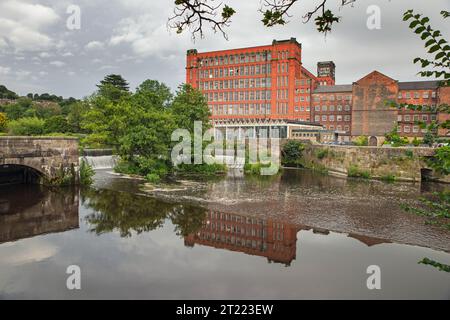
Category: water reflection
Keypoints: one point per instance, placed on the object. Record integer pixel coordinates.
(276, 240)
(31, 210)
(127, 213)
(131, 214)
(135, 246)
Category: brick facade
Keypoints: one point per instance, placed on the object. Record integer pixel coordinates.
(269, 82)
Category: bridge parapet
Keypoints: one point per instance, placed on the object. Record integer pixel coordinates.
(52, 157)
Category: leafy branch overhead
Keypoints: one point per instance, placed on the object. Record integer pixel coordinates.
(437, 66)
(435, 44)
(194, 15)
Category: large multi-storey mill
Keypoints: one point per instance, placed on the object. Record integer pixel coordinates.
(268, 86)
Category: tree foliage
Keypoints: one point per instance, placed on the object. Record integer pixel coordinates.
(7, 94)
(193, 15)
(291, 154)
(3, 121)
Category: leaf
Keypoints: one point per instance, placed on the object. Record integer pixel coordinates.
(429, 42)
(413, 24)
(419, 30)
(440, 55)
(425, 35)
(434, 49)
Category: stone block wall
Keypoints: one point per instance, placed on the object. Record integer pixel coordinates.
(377, 162)
(47, 155)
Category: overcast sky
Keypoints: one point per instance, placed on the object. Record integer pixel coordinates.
(38, 53)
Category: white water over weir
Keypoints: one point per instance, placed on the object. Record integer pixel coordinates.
(101, 162)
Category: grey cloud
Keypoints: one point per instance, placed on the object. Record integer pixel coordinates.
(130, 37)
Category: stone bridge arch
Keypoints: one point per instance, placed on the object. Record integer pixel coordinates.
(48, 157)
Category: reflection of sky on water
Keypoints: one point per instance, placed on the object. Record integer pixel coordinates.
(157, 263)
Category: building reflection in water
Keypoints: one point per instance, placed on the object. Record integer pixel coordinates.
(275, 240)
(31, 210)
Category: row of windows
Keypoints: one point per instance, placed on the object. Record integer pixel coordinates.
(283, 81)
(283, 94)
(332, 118)
(236, 84)
(302, 82)
(235, 241)
(301, 98)
(298, 91)
(283, 67)
(416, 117)
(259, 69)
(237, 96)
(236, 58)
(302, 108)
(235, 218)
(332, 108)
(407, 129)
(339, 128)
(240, 109)
(237, 229)
(304, 135)
(417, 95)
(282, 108)
(332, 97)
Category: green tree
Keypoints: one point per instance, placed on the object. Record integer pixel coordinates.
(190, 105)
(26, 127)
(291, 154)
(3, 121)
(7, 94)
(75, 117)
(152, 94)
(115, 80)
(56, 124)
(22, 108)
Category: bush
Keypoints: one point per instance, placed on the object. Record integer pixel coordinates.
(355, 172)
(416, 142)
(361, 141)
(153, 178)
(3, 121)
(86, 173)
(56, 124)
(291, 153)
(26, 127)
(201, 169)
(388, 178)
(126, 167)
(440, 161)
(322, 153)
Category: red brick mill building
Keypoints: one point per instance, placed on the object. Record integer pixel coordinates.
(268, 87)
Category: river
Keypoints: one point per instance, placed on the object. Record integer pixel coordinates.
(297, 235)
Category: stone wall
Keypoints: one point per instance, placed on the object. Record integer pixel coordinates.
(47, 155)
(404, 164)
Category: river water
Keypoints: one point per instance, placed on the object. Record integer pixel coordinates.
(296, 235)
